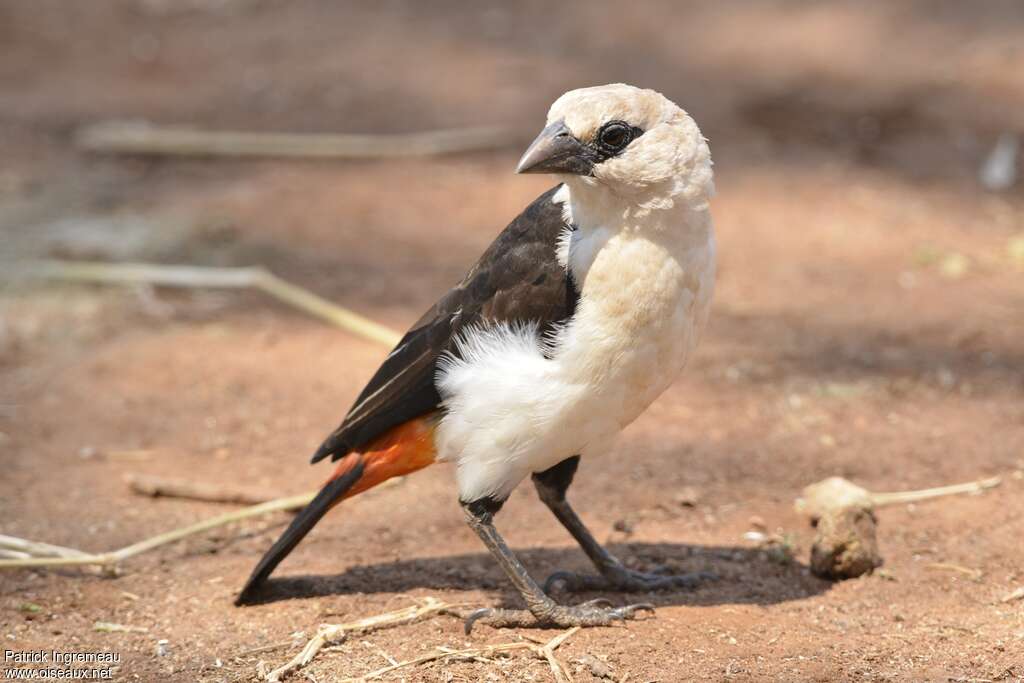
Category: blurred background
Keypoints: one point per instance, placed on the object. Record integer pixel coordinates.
(868, 322)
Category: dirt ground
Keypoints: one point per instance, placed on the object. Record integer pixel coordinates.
(868, 323)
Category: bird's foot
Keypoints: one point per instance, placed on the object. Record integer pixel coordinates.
(598, 612)
(618, 578)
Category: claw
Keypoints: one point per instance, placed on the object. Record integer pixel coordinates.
(598, 602)
(475, 616)
(630, 610)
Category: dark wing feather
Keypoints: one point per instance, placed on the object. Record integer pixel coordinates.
(518, 279)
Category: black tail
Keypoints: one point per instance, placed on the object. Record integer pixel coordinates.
(298, 529)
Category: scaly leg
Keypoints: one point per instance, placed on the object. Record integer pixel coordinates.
(551, 486)
(540, 609)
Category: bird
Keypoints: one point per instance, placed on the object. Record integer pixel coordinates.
(574, 320)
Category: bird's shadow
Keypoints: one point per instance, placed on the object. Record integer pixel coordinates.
(742, 575)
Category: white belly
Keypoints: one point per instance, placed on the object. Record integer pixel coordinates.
(512, 411)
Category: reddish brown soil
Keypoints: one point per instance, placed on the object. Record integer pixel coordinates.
(869, 323)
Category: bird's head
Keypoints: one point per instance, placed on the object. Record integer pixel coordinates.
(623, 143)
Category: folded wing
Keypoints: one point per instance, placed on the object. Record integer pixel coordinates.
(518, 279)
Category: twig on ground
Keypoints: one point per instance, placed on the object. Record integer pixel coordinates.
(1014, 595)
(148, 485)
(835, 492)
(384, 655)
(882, 499)
(231, 278)
(133, 137)
(972, 574)
(335, 633)
(111, 627)
(545, 651)
(548, 651)
(263, 648)
(111, 559)
(13, 554)
(36, 549)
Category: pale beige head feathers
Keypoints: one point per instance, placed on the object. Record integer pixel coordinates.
(668, 162)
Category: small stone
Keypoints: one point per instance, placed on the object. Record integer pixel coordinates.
(886, 575)
(161, 647)
(596, 667)
(687, 497)
(846, 545)
(623, 525)
(757, 522)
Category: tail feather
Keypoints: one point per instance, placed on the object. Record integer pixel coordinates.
(401, 450)
(300, 526)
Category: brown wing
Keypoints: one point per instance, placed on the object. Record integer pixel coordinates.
(518, 279)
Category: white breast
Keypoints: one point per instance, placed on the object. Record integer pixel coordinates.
(511, 411)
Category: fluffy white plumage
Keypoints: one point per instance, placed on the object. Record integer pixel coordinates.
(643, 259)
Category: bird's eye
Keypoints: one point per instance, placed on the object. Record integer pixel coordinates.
(615, 135)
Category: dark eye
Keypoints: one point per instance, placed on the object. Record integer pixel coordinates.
(615, 135)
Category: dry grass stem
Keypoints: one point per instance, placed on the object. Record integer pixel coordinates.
(131, 137)
(112, 559)
(972, 574)
(164, 487)
(881, 499)
(835, 493)
(23, 548)
(231, 278)
(111, 627)
(484, 653)
(336, 633)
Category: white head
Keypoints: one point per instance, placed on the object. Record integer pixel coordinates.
(624, 145)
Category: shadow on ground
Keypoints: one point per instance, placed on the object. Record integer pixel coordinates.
(743, 575)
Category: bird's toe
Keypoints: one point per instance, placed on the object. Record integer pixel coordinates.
(598, 612)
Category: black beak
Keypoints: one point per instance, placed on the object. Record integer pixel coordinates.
(556, 151)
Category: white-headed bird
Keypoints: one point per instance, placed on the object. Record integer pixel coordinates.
(577, 317)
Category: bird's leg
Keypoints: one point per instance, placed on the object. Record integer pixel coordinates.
(540, 609)
(551, 485)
